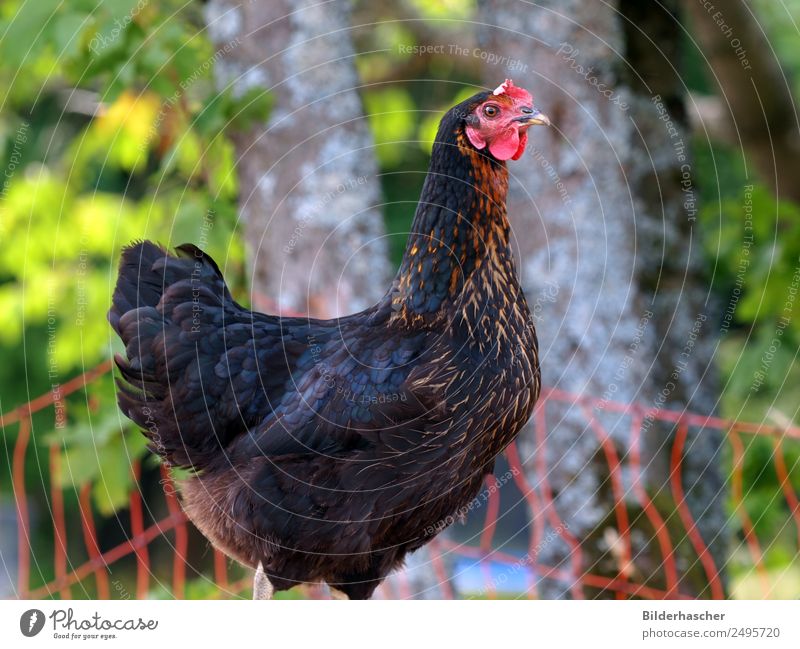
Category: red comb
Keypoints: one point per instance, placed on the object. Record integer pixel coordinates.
(515, 92)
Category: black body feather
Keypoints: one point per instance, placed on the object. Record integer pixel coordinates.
(327, 450)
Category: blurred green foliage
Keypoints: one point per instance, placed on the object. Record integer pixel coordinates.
(114, 131)
(752, 249)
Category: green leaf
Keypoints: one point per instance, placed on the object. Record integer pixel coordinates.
(392, 117)
(213, 117)
(100, 452)
(113, 486)
(253, 106)
(66, 33)
(30, 20)
(220, 160)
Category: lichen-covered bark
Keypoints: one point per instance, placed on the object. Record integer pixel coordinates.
(309, 193)
(608, 252)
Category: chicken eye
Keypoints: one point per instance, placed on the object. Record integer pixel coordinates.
(491, 110)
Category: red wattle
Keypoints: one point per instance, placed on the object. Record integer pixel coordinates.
(523, 141)
(506, 145)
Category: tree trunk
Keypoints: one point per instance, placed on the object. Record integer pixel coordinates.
(309, 195)
(603, 209)
(756, 95)
(309, 192)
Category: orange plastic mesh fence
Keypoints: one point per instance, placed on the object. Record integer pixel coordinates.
(175, 528)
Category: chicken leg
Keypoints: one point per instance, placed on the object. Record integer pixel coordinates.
(337, 594)
(262, 587)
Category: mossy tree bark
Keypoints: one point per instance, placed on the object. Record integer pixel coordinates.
(603, 207)
(309, 193)
(310, 198)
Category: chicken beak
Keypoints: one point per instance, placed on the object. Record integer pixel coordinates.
(537, 118)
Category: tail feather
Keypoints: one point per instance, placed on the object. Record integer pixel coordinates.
(137, 285)
(170, 310)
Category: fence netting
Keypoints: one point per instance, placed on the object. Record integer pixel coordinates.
(150, 549)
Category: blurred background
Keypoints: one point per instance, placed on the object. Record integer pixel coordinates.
(658, 236)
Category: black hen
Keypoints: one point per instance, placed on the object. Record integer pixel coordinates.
(325, 450)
